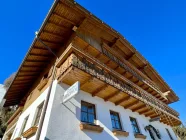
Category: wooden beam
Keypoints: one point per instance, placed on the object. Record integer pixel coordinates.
(122, 100)
(149, 113)
(88, 80)
(53, 34)
(142, 112)
(64, 18)
(40, 61)
(130, 57)
(99, 89)
(58, 26)
(38, 55)
(131, 104)
(112, 95)
(114, 43)
(51, 42)
(138, 108)
(141, 68)
(154, 116)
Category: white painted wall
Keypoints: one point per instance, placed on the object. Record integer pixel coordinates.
(31, 111)
(65, 119)
(62, 120)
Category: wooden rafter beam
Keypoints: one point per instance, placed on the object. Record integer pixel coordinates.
(88, 80)
(144, 111)
(64, 18)
(114, 43)
(131, 104)
(138, 108)
(112, 95)
(52, 42)
(38, 55)
(58, 26)
(130, 57)
(99, 89)
(122, 100)
(39, 61)
(154, 116)
(149, 113)
(141, 68)
(53, 34)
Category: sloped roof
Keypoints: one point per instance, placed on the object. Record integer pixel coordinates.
(55, 31)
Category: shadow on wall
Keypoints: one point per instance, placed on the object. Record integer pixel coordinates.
(107, 133)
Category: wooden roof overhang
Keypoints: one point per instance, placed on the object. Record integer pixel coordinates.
(55, 32)
(98, 79)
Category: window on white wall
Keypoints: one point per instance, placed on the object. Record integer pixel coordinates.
(38, 115)
(116, 123)
(88, 114)
(24, 125)
(134, 125)
(169, 134)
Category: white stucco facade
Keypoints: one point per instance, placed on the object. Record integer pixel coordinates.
(62, 120)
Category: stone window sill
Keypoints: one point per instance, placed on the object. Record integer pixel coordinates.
(120, 133)
(31, 131)
(96, 128)
(141, 136)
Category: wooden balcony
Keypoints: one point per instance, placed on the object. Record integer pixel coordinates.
(99, 80)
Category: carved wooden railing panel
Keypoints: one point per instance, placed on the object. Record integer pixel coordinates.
(128, 69)
(93, 67)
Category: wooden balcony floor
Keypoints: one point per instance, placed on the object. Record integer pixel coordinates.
(98, 88)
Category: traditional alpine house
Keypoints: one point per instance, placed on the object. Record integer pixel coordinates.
(120, 95)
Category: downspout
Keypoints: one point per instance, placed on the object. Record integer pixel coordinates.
(48, 93)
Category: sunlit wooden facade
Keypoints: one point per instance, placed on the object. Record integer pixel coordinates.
(91, 52)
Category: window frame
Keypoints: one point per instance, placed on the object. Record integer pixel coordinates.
(168, 132)
(37, 117)
(94, 112)
(119, 120)
(24, 125)
(135, 125)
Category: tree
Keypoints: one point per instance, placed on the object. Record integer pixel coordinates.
(6, 112)
(9, 80)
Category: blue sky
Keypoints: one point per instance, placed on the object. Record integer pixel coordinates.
(157, 29)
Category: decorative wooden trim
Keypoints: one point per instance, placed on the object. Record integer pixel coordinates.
(120, 132)
(15, 114)
(31, 131)
(96, 128)
(141, 136)
(42, 83)
(18, 138)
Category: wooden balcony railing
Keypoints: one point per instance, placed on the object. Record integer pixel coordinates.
(90, 65)
(128, 69)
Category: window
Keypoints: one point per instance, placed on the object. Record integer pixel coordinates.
(38, 115)
(116, 124)
(88, 114)
(169, 134)
(134, 125)
(24, 125)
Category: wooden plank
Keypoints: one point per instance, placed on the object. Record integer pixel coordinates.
(144, 111)
(64, 18)
(99, 89)
(112, 95)
(138, 108)
(58, 26)
(131, 104)
(122, 100)
(87, 80)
